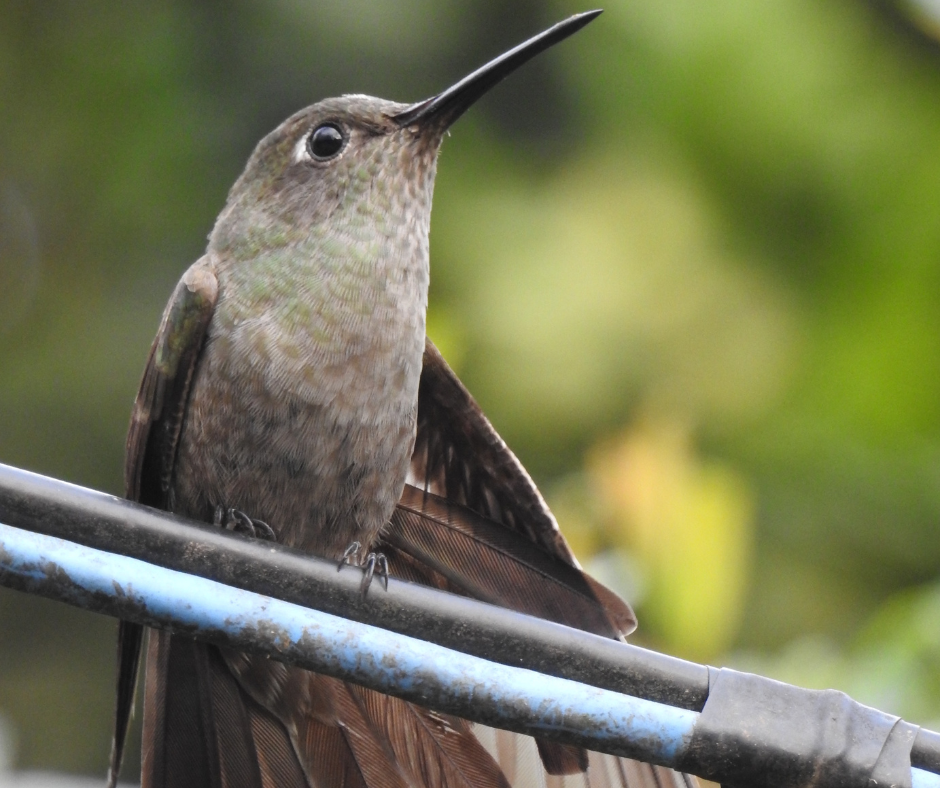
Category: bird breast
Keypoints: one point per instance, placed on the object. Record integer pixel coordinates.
(303, 404)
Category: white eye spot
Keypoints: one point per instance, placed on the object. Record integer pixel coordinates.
(300, 150)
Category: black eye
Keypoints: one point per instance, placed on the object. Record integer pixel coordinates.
(325, 141)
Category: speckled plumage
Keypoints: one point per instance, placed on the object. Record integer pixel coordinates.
(302, 407)
(291, 379)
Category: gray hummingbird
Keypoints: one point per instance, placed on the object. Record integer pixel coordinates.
(291, 392)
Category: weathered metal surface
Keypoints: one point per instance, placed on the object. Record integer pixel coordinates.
(56, 508)
(427, 674)
(192, 602)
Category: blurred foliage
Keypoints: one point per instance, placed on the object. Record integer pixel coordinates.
(689, 524)
(689, 263)
(892, 663)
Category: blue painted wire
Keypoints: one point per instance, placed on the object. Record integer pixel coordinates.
(397, 664)
(920, 778)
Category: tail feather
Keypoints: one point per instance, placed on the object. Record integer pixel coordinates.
(227, 721)
(437, 750)
(221, 719)
(328, 758)
(277, 760)
(368, 746)
(130, 638)
(559, 759)
(345, 735)
(179, 751)
(201, 730)
(519, 758)
(329, 736)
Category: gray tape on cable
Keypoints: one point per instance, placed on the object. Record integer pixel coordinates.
(756, 731)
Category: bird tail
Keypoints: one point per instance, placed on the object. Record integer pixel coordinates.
(520, 760)
(201, 730)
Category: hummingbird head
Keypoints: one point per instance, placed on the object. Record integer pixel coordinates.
(336, 162)
(348, 162)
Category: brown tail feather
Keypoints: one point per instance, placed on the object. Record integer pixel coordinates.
(368, 746)
(346, 735)
(438, 751)
(178, 752)
(276, 725)
(559, 759)
(328, 758)
(518, 756)
(275, 752)
(228, 721)
(331, 736)
(130, 638)
(200, 728)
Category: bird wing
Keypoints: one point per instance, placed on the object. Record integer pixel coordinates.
(151, 446)
(483, 559)
(473, 522)
(201, 729)
(459, 456)
(472, 514)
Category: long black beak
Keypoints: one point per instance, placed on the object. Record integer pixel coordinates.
(446, 107)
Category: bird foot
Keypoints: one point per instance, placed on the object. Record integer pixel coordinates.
(376, 564)
(238, 521)
(350, 557)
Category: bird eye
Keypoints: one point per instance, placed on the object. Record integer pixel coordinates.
(325, 141)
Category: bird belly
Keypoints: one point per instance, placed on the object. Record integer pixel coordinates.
(323, 463)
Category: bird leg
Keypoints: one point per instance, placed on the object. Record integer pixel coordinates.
(236, 520)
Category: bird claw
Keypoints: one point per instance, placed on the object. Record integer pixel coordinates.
(236, 520)
(350, 557)
(374, 561)
(375, 564)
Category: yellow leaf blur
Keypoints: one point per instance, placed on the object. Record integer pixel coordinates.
(689, 524)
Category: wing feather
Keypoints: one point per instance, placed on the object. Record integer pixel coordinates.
(459, 456)
(478, 525)
(152, 438)
(157, 416)
(494, 564)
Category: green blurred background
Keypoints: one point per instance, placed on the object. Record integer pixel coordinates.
(689, 263)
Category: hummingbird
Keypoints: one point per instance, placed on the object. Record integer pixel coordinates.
(291, 392)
